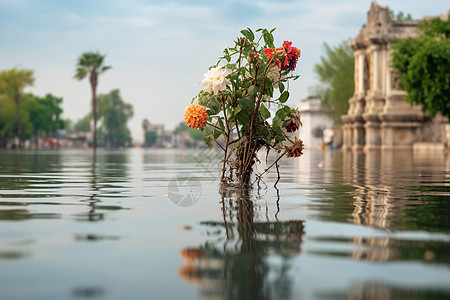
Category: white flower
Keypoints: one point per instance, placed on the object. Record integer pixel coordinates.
(215, 80)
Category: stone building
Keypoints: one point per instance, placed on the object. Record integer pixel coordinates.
(378, 115)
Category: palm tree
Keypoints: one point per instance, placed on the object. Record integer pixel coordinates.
(91, 63)
(12, 83)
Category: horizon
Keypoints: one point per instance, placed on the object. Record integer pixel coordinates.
(159, 51)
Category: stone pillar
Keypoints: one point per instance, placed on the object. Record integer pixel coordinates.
(358, 133)
(374, 100)
(352, 131)
(346, 132)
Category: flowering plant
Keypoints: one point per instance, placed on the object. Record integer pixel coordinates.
(235, 104)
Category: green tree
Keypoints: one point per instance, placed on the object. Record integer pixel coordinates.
(114, 114)
(91, 63)
(150, 138)
(335, 72)
(181, 127)
(45, 114)
(83, 124)
(400, 16)
(7, 118)
(68, 125)
(423, 64)
(12, 84)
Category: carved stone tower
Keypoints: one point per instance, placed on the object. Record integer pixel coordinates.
(378, 116)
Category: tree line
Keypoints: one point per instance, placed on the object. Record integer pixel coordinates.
(25, 116)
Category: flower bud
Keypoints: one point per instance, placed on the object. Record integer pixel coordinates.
(222, 97)
(253, 58)
(243, 42)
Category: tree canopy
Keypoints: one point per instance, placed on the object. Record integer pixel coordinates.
(12, 85)
(83, 124)
(335, 72)
(45, 113)
(423, 64)
(40, 116)
(114, 114)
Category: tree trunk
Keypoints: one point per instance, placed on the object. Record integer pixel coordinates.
(19, 130)
(93, 80)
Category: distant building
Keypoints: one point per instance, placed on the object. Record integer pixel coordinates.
(317, 124)
(163, 137)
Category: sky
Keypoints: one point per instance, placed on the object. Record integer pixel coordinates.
(160, 49)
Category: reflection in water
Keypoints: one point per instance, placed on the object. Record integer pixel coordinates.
(399, 190)
(250, 259)
(378, 227)
(42, 185)
(393, 191)
(374, 290)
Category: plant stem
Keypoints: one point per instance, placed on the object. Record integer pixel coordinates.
(274, 163)
(248, 154)
(226, 143)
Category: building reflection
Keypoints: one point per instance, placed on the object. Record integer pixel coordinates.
(390, 183)
(397, 190)
(247, 258)
(372, 290)
(389, 190)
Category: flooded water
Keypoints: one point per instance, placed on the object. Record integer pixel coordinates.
(153, 224)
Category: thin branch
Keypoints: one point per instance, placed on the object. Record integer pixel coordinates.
(278, 174)
(218, 144)
(269, 167)
(215, 127)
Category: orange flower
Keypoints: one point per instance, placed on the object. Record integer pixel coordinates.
(195, 116)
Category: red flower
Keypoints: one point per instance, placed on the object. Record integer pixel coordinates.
(293, 126)
(290, 56)
(269, 52)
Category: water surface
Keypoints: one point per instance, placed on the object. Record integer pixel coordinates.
(154, 224)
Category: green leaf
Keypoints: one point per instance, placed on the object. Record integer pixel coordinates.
(268, 38)
(284, 96)
(281, 87)
(246, 104)
(243, 117)
(214, 106)
(265, 113)
(217, 133)
(248, 33)
(281, 114)
(222, 126)
(208, 138)
(252, 90)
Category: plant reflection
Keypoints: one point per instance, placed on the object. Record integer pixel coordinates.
(249, 259)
